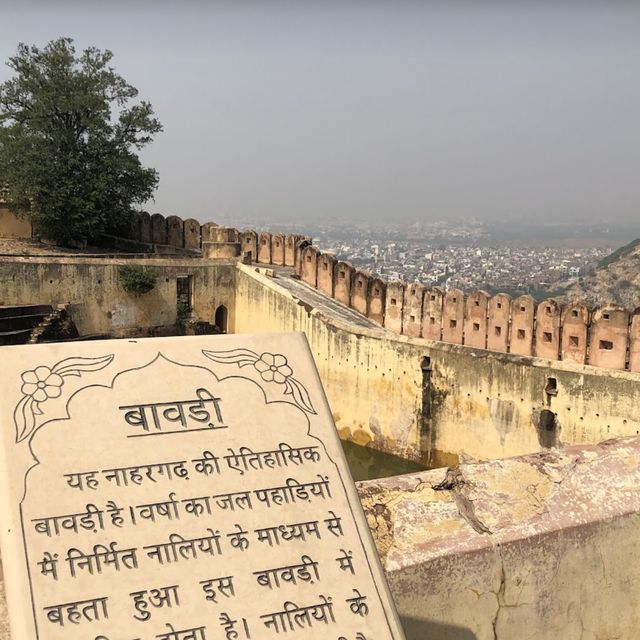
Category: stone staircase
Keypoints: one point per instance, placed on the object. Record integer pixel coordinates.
(17, 322)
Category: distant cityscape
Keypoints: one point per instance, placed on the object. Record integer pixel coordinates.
(468, 255)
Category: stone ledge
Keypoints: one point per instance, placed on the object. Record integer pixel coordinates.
(545, 542)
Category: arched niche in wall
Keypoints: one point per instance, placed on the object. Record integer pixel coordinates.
(221, 318)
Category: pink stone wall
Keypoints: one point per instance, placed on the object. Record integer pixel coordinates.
(432, 314)
(609, 337)
(547, 341)
(575, 323)
(360, 291)
(453, 316)
(393, 306)
(523, 312)
(498, 312)
(412, 313)
(475, 322)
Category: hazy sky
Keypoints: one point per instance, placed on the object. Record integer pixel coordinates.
(375, 110)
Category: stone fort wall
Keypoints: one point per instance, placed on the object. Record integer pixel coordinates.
(427, 400)
(96, 300)
(607, 336)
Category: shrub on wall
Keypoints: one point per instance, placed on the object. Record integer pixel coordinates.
(137, 279)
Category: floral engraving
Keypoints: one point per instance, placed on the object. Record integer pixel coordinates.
(42, 383)
(272, 367)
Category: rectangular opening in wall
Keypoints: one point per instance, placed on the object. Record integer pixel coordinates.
(308, 258)
(359, 284)
(341, 275)
(574, 313)
(521, 334)
(264, 241)
(325, 266)
(277, 243)
(606, 345)
(606, 316)
(433, 298)
(499, 305)
(477, 303)
(574, 341)
(498, 331)
(393, 302)
(453, 324)
(454, 300)
(425, 366)
(376, 292)
(184, 288)
(551, 388)
(432, 320)
(547, 337)
(476, 326)
(412, 318)
(547, 310)
(523, 309)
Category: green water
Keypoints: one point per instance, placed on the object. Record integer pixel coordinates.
(368, 464)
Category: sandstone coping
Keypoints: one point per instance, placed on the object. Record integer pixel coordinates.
(546, 543)
(337, 318)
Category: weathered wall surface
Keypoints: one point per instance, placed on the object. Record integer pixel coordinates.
(545, 546)
(488, 404)
(11, 226)
(101, 305)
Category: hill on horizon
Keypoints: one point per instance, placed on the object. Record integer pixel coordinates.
(615, 279)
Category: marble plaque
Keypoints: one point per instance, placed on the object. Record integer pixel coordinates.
(187, 488)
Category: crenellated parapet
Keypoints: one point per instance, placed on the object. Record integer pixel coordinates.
(607, 336)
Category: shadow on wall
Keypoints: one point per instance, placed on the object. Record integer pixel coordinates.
(423, 629)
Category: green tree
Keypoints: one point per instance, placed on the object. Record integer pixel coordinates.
(68, 142)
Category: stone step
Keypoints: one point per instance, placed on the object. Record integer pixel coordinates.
(15, 323)
(25, 310)
(14, 337)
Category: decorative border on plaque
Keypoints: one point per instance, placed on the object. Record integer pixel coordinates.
(272, 367)
(42, 383)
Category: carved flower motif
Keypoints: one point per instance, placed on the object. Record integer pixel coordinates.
(41, 383)
(273, 368)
